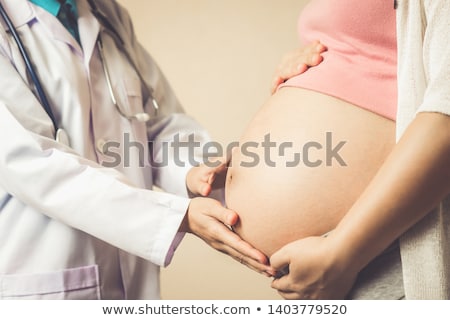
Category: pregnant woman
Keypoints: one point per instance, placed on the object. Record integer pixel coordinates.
(316, 144)
(339, 116)
(318, 141)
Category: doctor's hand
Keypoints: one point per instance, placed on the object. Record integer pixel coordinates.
(297, 62)
(315, 270)
(209, 220)
(201, 180)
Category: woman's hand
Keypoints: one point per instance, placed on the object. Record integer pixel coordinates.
(210, 221)
(315, 271)
(400, 195)
(296, 62)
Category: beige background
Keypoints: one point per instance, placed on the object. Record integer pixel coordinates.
(219, 56)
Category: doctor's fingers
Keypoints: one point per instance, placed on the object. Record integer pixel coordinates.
(230, 243)
(249, 257)
(217, 172)
(225, 216)
(203, 179)
(251, 263)
(220, 169)
(221, 238)
(202, 188)
(210, 222)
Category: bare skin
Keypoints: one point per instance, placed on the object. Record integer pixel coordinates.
(278, 204)
(402, 192)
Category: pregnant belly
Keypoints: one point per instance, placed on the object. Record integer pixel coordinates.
(301, 163)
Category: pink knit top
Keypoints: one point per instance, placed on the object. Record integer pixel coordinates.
(360, 65)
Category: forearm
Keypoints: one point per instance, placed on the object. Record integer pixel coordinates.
(413, 180)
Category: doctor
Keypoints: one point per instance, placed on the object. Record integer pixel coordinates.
(71, 227)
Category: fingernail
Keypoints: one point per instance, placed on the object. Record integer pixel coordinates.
(315, 58)
(271, 273)
(301, 67)
(230, 219)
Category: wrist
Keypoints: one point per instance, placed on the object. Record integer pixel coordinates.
(190, 182)
(189, 192)
(344, 254)
(185, 225)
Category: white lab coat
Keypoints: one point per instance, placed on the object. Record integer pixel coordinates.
(69, 227)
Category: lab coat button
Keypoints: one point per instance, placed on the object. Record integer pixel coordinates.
(101, 146)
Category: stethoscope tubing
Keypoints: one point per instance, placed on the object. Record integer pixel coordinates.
(29, 66)
(141, 116)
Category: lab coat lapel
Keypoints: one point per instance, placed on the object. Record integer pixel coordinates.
(89, 29)
(56, 30)
(20, 12)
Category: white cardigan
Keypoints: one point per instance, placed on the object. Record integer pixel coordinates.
(423, 28)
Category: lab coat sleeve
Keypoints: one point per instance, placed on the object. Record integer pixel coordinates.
(176, 139)
(64, 186)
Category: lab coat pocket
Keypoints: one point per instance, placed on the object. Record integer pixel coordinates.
(80, 283)
(131, 95)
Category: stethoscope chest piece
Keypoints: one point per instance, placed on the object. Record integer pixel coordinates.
(62, 137)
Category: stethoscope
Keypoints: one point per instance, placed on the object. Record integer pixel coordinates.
(60, 133)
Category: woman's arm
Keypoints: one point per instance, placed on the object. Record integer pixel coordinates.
(413, 180)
